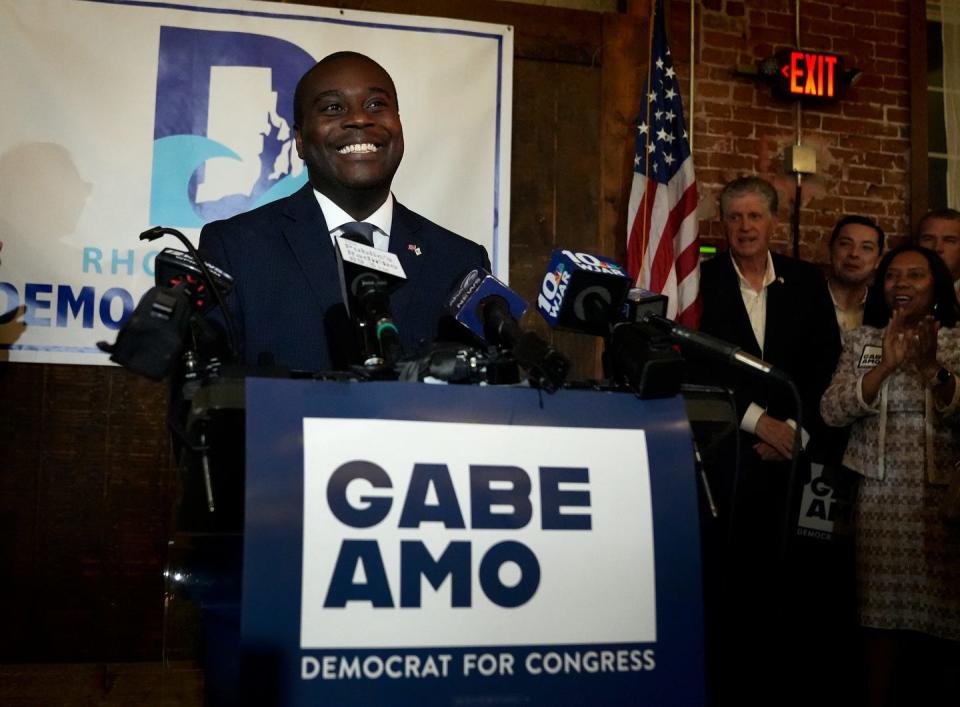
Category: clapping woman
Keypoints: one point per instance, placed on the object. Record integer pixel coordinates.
(896, 387)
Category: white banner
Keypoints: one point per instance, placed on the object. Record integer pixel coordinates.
(432, 534)
(126, 114)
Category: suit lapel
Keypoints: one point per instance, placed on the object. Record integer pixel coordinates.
(308, 237)
(778, 306)
(406, 235)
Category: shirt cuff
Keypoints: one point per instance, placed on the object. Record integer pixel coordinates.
(748, 423)
(804, 435)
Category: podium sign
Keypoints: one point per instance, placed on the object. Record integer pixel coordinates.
(437, 545)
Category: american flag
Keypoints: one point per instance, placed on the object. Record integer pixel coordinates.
(663, 249)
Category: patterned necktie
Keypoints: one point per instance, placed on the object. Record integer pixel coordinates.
(359, 228)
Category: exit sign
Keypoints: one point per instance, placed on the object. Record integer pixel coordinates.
(803, 74)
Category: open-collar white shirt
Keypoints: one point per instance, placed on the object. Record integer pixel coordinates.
(756, 305)
(756, 302)
(847, 319)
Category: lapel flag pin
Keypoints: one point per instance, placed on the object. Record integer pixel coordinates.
(413, 248)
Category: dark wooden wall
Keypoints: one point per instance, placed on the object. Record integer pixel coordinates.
(86, 478)
(85, 493)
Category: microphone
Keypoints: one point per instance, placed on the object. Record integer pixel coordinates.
(479, 294)
(641, 358)
(367, 278)
(583, 292)
(151, 340)
(217, 285)
(490, 310)
(712, 346)
(174, 267)
(641, 302)
(588, 294)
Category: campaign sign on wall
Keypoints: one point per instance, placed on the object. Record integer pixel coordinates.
(439, 545)
(127, 114)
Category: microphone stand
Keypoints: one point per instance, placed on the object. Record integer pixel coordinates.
(792, 474)
(735, 355)
(376, 322)
(546, 367)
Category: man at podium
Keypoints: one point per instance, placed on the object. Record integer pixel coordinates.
(286, 303)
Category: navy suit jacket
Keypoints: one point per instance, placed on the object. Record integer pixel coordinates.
(287, 300)
(801, 338)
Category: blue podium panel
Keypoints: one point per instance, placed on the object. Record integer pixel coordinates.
(409, 544)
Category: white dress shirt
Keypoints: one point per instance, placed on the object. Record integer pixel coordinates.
(847, 319)
(381, 220)
(756, 302)
(756, 305)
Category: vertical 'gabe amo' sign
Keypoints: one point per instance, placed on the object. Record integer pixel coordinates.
(809, 75)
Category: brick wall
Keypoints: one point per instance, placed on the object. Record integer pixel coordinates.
(862, 143)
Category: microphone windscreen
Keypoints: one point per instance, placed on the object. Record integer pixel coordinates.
(357, 261)
(464, 303)
(583, 292)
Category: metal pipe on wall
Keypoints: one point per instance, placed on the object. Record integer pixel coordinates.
(693, 55)
(795, 220)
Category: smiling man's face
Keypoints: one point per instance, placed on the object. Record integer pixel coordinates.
(854, 254)
(349, 134)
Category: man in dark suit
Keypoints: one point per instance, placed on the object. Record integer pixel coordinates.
(774, 307)
(287, 300)
(778, 309)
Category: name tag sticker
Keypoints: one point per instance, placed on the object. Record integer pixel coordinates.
(871, 356)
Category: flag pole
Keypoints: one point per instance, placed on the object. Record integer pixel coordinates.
(645, 241)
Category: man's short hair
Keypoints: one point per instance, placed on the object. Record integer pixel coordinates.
(298, 91)
(945, 214)
(741, 186)
(859, 221)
